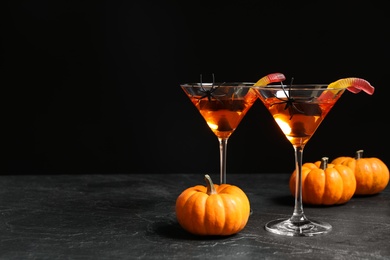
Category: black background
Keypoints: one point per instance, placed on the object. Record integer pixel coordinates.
(93, 86)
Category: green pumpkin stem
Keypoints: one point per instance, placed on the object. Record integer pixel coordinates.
(359, 154)
(210, 185)
(324, 163)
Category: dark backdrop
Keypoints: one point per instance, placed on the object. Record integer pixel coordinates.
(93, 86)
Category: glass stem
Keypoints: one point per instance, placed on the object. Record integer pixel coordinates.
(222, 156)
(298, 215)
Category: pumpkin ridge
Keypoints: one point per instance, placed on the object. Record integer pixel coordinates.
(214, 215)
(232, 214)
(348, 181)
(385, 176)
(364, 174)
(313, 186)
(333, 187)
(182, 202)
(195, 219)
(244, 213)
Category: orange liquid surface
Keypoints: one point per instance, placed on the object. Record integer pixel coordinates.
(298, 121)
(222, 116)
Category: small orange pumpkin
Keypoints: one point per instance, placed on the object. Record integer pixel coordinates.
(372, 174)
(213, 209)
(325, 184)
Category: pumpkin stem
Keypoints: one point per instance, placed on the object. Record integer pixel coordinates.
(324, 163)
(210, 185)
(359, 154)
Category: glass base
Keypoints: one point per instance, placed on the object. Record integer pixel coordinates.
(287, 227)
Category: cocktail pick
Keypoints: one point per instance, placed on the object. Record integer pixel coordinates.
(355, 85)
(270, 78)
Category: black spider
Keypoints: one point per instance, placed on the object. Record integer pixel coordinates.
(209, 93)
(292, 104)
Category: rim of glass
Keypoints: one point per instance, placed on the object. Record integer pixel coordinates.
(220, 84)
(314, 86)
(275, 86)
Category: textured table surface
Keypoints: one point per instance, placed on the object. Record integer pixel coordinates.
(131, 216)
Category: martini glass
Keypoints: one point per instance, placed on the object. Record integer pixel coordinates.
(298, 110)
(223, 106)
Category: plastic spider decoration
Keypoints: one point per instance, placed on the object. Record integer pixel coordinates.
(209, 94)
(294, 104)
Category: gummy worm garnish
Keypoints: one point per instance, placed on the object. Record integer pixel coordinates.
(270, 78)
(354, 85)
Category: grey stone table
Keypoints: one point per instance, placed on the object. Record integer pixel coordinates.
(131, 216)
